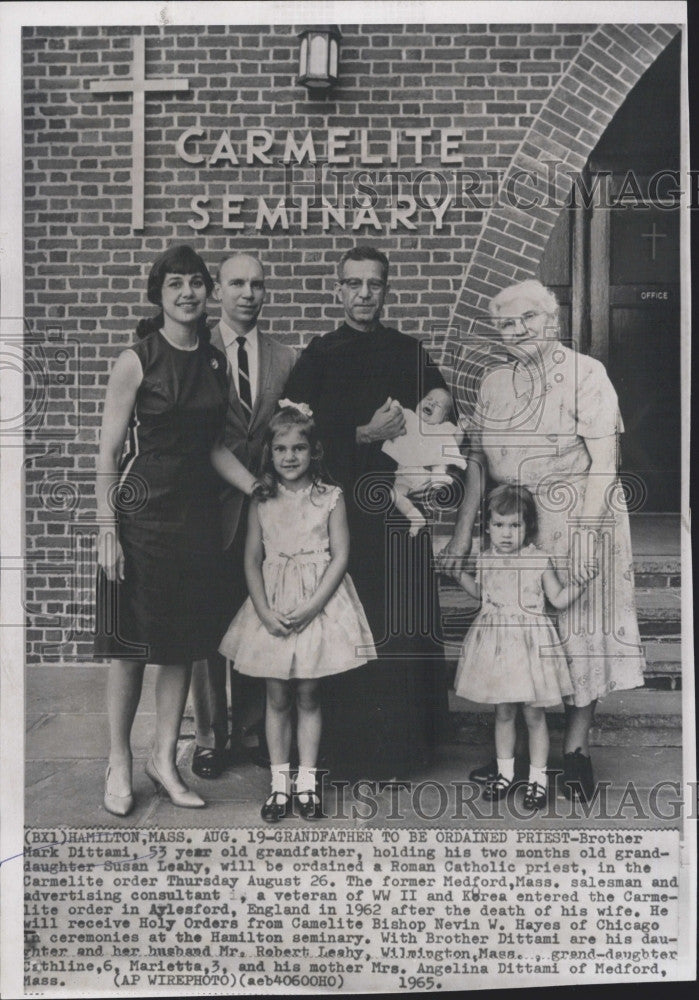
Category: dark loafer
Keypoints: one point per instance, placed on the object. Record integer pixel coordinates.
(208, 763)
(276, 807)
(308, 805)
(578, 780)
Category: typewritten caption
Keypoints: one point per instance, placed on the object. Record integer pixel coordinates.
(269, 910)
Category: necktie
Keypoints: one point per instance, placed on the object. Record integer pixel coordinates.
(244, 392)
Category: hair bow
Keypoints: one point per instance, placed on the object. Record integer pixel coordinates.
(303, 408)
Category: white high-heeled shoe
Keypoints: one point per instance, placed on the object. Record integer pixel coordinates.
(183, 797)
(117, 805)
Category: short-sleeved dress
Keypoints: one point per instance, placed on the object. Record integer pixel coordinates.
(296, 553)
(512, 652)
(532, 423)
(167, 609)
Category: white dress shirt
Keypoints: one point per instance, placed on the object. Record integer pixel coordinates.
(230, 342)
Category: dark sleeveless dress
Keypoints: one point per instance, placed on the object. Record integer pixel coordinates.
(167, 608)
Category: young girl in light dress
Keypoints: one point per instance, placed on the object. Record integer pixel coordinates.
(512, 654)
(303, 619)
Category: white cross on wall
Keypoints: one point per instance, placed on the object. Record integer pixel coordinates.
(138, 86)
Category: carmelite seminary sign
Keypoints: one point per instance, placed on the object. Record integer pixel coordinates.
(352, 178)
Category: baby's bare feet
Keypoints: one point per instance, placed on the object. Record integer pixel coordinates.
(417, 523)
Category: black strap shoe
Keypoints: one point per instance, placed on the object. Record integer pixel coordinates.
(535, 796)
(497, 789)
(308, 805)
(276, 807)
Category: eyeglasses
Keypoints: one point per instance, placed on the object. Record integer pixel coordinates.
(510, 322)
(354, 284)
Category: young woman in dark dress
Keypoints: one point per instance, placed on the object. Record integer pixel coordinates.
(159, 544)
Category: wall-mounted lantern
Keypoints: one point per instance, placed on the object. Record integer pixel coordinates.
(319, 58)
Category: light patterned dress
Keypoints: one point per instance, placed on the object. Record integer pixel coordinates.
(512, 652)
(532, 423)
(296, 554)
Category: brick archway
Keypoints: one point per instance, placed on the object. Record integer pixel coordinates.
(566, 130)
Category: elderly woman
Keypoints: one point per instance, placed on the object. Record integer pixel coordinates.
(157, 504)
(548, 420)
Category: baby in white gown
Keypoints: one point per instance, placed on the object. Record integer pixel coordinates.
(430, 444)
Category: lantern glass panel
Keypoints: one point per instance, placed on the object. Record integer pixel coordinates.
(303, 59)
(333, 58)
(318, 65)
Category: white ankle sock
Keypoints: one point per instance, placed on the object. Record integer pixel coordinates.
(280, 778)
(538, 775)
(306, 779)
(506, 767)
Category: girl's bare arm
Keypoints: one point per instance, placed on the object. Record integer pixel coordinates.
(334, 572)
(254, 554)
(559, 595)
(470, 584)
(231, 469)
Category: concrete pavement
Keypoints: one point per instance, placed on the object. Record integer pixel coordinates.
(66, 747)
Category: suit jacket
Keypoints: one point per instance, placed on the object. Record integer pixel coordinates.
(244, 440)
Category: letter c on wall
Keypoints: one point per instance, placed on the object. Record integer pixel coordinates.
(188, 134)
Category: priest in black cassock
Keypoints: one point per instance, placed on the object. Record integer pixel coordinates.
(381, 720)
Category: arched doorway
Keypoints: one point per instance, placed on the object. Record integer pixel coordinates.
(614, 260)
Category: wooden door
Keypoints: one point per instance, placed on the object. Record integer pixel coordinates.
(635, 332)
(616, 271)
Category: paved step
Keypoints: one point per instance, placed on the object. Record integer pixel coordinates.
(640, 718)
(663, 657)
(657, 578)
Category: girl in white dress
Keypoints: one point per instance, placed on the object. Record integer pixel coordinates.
(303, 619)
(512, 654)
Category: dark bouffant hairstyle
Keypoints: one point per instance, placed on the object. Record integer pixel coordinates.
(179, 259)
(508, 499)
(282, 421)
(365, 253)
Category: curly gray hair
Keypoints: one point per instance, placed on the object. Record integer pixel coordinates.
(532, 290)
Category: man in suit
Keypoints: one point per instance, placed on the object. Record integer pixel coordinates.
(259, 368)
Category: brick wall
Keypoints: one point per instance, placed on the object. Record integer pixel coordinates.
(517, 92)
